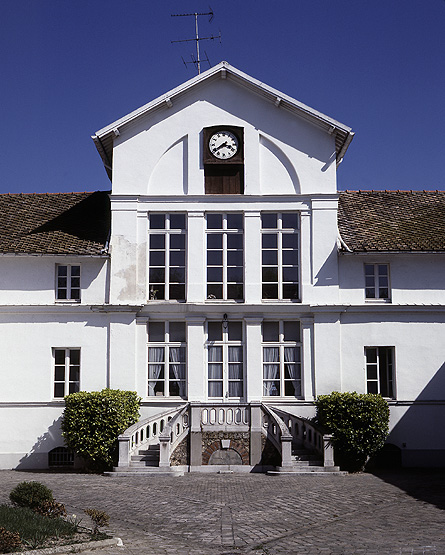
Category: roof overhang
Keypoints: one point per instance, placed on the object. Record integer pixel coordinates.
(104, 138)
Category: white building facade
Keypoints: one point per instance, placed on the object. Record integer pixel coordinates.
(231, 278)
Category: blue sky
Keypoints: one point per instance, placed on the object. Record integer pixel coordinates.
(70, 67)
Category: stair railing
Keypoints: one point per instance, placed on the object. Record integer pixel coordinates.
(310, 436)
(143, 434)
(276, 430)
(174, 432)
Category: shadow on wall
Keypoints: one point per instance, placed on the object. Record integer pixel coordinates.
(422, 423)
(328, 273)
(37, 458)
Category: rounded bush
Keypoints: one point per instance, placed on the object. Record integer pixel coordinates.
(30, 494)
(359, 423)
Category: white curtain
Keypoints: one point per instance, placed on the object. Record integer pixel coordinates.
(155, 355)
(215, 371)
(235, 371)
(177, 366)
(293, 368)
(271, 372)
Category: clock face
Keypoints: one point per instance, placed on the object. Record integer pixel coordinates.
(223, 145)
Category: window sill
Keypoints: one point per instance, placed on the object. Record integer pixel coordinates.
(283, 301)
(67, 301)
(378, 301)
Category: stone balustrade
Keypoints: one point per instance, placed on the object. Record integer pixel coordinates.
(174, 432)
(143, 434)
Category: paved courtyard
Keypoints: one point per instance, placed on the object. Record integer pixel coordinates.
(256, 514)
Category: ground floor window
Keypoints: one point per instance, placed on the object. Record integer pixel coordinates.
(60, 456)
(380, 370)
(66, 372)
(166, 359)
(225, 359)
(281, 359)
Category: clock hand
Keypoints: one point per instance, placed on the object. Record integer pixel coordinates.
(221, 146)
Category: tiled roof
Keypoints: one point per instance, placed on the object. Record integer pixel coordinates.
(54, 223)
(392, 220)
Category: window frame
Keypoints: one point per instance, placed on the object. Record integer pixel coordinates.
(225, 343)
(166, 345)
(280, 231)
(377, 279)
(69, 283)
(282, 344)
(67, 365)
(381, 352)
(167, 232)
(225, 249)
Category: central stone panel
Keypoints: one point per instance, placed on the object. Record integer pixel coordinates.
(225, 456)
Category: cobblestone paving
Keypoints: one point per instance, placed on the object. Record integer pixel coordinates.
(254, 514)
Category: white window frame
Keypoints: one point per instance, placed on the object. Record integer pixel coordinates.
(225, 345)
(70, 283)
(69, 385)
(281, 345)
(375, 370)
(375, 282)
(167, 232)
(225, 232)
(166, 345)
(280, 231)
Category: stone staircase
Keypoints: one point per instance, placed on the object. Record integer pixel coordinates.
(145, 462)
(304, 461)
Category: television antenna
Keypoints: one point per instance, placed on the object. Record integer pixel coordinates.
(197, 61)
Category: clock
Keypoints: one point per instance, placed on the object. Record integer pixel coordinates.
(223, 145)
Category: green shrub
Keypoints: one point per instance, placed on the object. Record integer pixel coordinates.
(30, 494)
(92, 422)
(359, 422)
(9, 541)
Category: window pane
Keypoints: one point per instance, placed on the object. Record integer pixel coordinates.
(270, 274)
(59, 390)
(235, 333)
(269, 241)
(235, 292)
(372, 387)
(290, 291)
(290, 257)
(62, 270)
(234, 241)
(157, 275)
(235, 371)
(371, 355)
(270, 257)
(215, 389)
(74, 356)
(270, 291)
(235, 274)
(177, 221)
(234, 221)
(236, 389)
(156, 331)
(74, 373)
(177, 275)
(215, 331)
(59, 356)
(214, 258)
(369, 270)
(157, 221)
(271, 388)
(370, 293)
(289, 221)
(59, 374)
(177, 331)
(177, 292)
(383, 270)
(156, 371)
(235, 258)
(292, 388)
(215, 371)
(214, 291)
(290, 273)
(214, 274)
(270, 331)
(290, 240)
(291, 331)
(177, 241)
(371, 371)
(214, 221)
(75, 271)
(157, 292)
(73, 388)
(215, 354)
(157, 258)
(269, 221)
(177, 258)
(214, 241)
(157, 241)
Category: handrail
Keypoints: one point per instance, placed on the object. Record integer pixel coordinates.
(280, 435)
(310, 435)
(143, 433)
(175, 430)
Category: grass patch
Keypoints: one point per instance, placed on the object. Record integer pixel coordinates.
(33, 528)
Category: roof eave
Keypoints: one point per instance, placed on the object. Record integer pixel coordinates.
(104, 138)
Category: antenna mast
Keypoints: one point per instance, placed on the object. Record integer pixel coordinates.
(197, 39)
